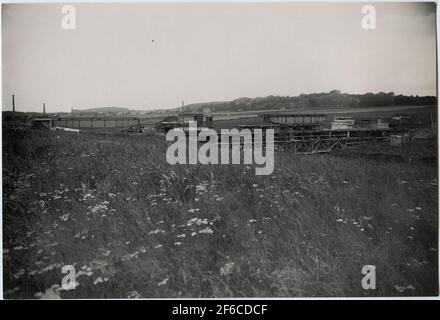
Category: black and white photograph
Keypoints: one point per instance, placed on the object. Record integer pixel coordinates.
(198, 150)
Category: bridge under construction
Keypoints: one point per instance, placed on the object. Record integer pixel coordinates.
(306, 134)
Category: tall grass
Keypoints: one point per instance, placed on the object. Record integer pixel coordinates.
(110, 205)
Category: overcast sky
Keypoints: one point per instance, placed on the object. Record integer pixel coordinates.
(149, 56)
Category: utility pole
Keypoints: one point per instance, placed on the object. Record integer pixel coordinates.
(181, 114)
(44, 108)
(13, 103)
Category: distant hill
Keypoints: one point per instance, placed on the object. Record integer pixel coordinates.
(102, 109)
(199, 107)
(332, 99)
(323, 100)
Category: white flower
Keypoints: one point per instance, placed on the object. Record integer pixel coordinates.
(206, 230)
(134, 295)
(227, 268)
(163, 282)
(156, 231)
(399, 288)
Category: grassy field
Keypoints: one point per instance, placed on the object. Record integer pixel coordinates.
(134, 226)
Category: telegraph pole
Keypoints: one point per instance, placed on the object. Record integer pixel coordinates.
(181, 114)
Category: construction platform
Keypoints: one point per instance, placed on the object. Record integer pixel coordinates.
(320, 140)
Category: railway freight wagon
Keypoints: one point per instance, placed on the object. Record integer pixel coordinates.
(297, 120)
(97, 122)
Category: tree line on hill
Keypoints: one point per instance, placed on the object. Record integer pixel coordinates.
(332, 99)
(324, 100)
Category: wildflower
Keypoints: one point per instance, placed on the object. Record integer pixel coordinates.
(84, 273)
(399, 288)
(51, 293)
(163, 282)
(99, 280)
(51, 244)
(156, 231)
(227, 268)
(134, 295)
(207, 230)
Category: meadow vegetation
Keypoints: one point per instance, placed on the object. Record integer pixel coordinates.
(135, 226)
